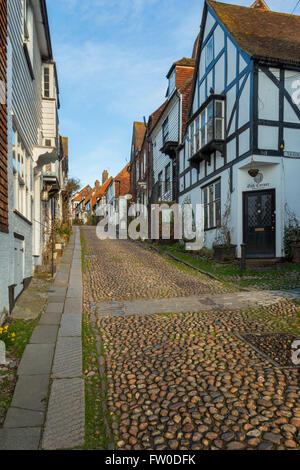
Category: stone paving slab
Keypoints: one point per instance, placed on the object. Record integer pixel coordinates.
(18, 418)
(68, 358)
(57, 299)
(31, 392)
(50, 319)
(36, 360)
(207, 302)
(74, 293)
(71, 325)
(58, 283)
(57, 291)
(73, 306)
(44, 334)
(65, 423)
(20, 438)
(55, 307)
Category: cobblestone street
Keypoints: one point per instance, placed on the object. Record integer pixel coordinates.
(122, 270)
(185, 380)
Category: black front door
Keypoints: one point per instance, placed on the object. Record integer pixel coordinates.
(259, 224)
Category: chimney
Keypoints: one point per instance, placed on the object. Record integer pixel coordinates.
(97, 184)
(104, 176)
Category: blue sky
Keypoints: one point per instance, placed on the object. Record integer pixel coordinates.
(112, 58)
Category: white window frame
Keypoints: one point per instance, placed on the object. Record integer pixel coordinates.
(212, 205)
(198, 129)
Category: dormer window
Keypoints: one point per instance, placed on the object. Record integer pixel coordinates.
(172, 83)
(207, 130)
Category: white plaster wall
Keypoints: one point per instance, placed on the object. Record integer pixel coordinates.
(268, 98)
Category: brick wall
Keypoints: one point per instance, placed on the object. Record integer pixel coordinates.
(3, 119)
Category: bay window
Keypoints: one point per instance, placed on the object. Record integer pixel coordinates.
(207, 131)
(165, 131)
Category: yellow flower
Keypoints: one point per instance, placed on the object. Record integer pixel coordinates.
(13, 335)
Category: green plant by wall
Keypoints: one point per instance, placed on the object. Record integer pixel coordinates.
(291, 235)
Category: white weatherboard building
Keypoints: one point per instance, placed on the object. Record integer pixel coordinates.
(34, 147)
(167, 132)
(244, 118)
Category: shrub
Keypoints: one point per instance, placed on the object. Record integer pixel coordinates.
(291, 235)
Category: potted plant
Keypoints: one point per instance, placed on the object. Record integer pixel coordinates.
(224, 250)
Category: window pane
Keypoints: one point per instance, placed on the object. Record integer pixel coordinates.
(219, 109)
(206, 218)
(219, 129)
(211, 216)
(218, 213)
(218, 190)
(209, 52)
(211, 193)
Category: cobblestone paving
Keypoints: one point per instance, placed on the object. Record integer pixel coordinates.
(185, 381)
(122, 270)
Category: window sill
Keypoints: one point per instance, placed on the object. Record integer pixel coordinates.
(212, 228)
(22, 217)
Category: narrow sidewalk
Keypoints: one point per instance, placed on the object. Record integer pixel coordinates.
(48, 406)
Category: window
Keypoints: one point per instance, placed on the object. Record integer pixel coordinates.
(209, 52)
(160, 184)
(208, 127)
(22, 168)
(172, 83)
(46, 82)
(211, 198)
(219, 120)
(28, 29)
(168, 178)
(165, 131)
(48, 142)
(137, 169)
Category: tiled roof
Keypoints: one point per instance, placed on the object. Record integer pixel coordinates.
(123, 187)
(154, 117)
(103, 189)
(139, 134)
(261, 33)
